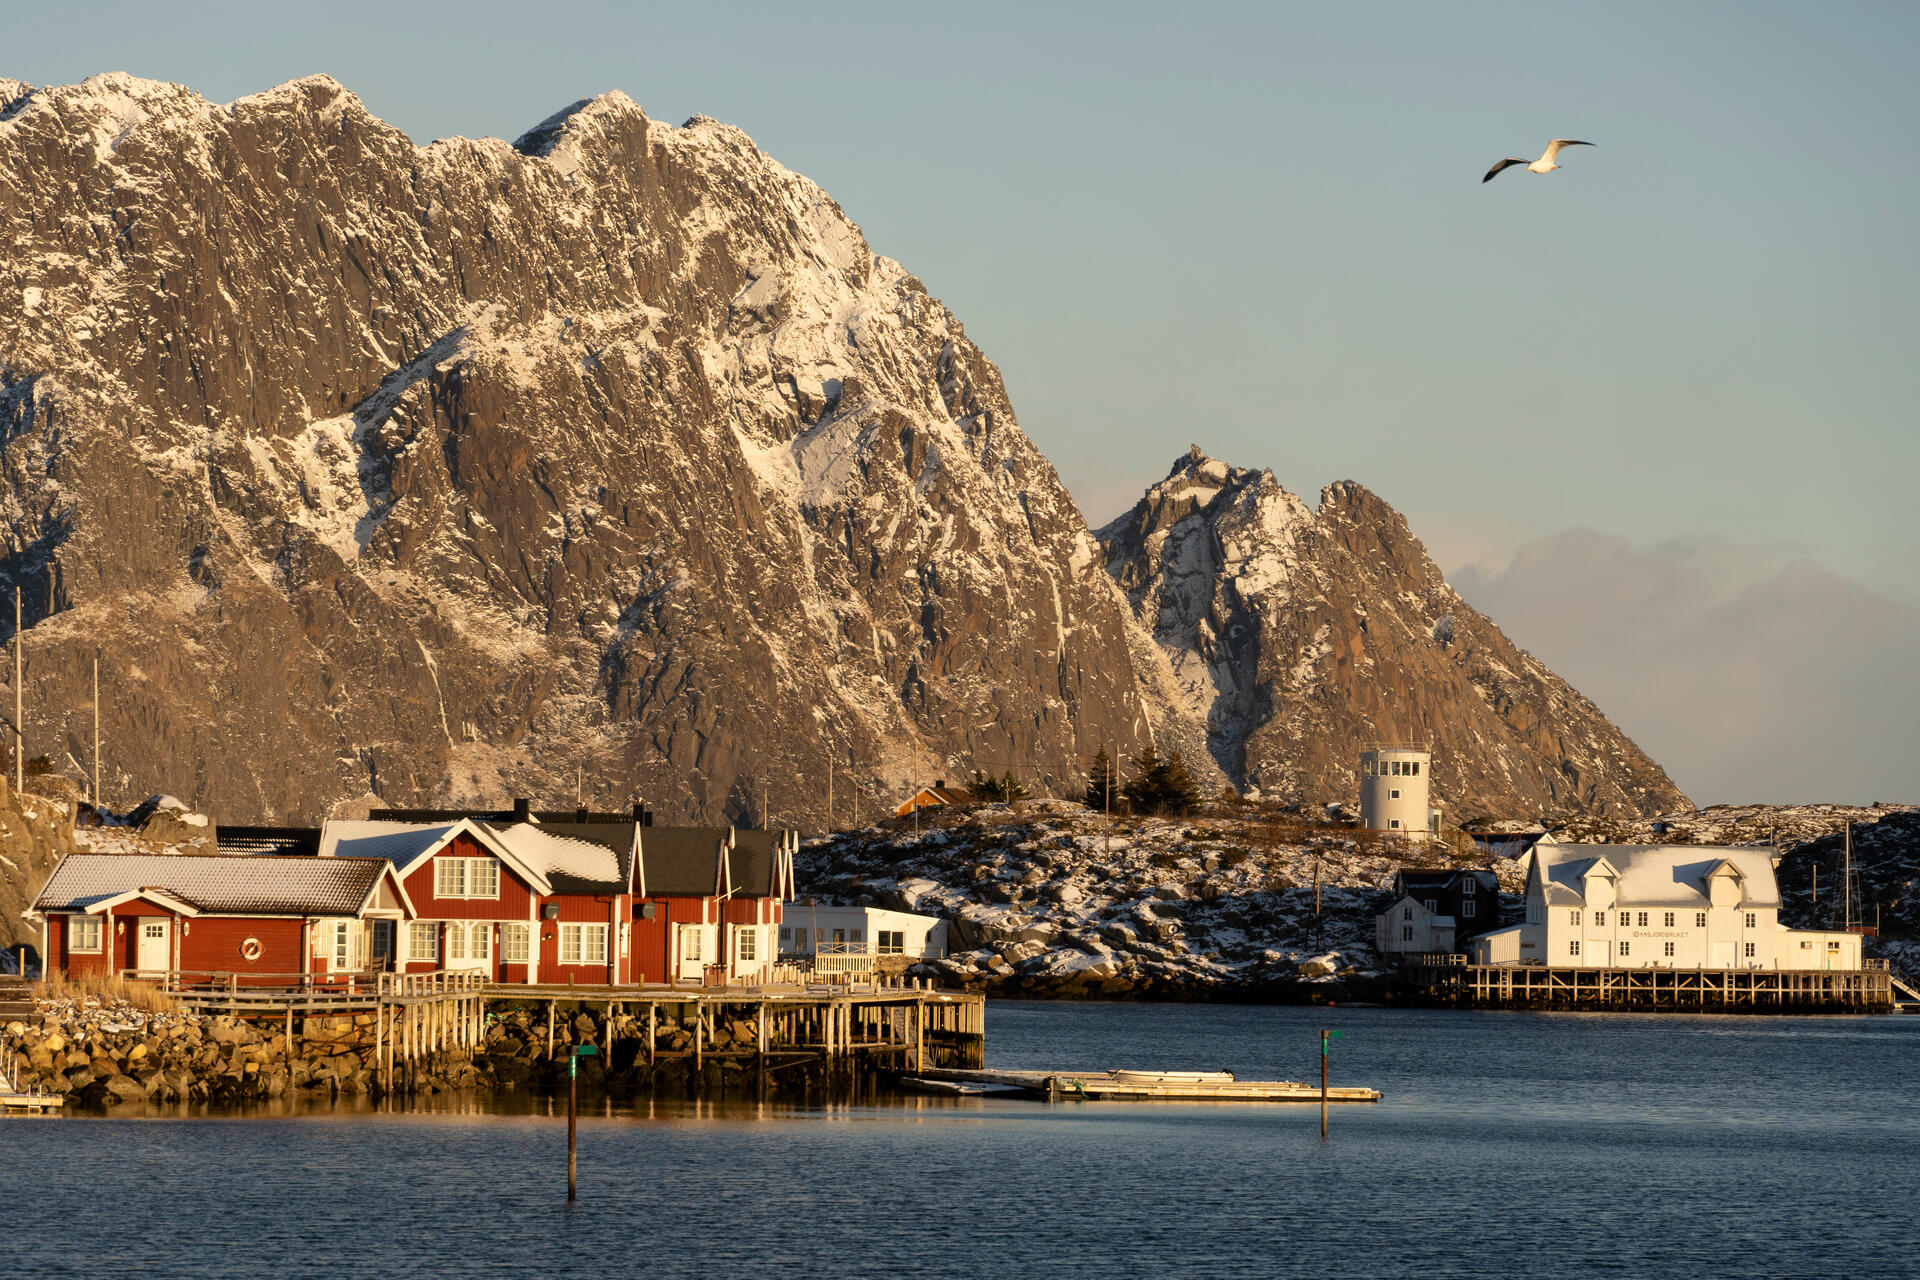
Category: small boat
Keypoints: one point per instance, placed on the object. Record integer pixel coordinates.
(956, 1088)
(1172, 1077)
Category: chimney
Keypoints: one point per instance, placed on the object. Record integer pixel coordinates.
(522, 809)
(580, 815)
(941, 785)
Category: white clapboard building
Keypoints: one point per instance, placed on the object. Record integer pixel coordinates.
(810, 930)
(1679, 906)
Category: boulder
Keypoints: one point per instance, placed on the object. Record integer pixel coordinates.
(125, 1089)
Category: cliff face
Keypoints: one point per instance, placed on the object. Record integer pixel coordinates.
(1298, 637)
(451, 472)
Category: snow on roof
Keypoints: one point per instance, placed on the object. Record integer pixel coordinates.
(401, 843)
(570, 865)
(553, 862)
(1656, 875)
(222, 885)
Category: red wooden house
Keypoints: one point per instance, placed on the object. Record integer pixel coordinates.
(709, 900)
(515, 900)
(260, 919)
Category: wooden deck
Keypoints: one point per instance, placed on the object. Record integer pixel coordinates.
(1867, 990)
(1117, 1086)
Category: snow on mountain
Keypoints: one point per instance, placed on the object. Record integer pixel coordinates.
(436, 473)
(1299, 636)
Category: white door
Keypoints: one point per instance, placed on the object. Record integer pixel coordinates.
(155, 953)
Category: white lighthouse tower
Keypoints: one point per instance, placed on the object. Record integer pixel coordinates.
(1395, 790)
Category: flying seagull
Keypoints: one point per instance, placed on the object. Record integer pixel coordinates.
(1544, 164)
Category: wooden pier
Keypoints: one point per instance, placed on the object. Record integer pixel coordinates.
(1142, 1086)
(415, 1017)
(1866, 990)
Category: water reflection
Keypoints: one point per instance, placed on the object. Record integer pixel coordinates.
(1507, 1144)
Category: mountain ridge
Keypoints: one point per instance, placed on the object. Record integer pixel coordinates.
(611, 458)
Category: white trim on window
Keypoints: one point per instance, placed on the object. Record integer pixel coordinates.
(583, 944)
(513, 943)
(84, 934)
(457, 877)
(423, 940)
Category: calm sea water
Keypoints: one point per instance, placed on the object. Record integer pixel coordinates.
(1508, 1145)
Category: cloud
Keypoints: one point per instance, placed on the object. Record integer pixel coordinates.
(1749, 675)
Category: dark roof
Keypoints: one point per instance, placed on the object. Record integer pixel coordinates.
(294, 840)
(681, 862)
(615, 835)
(753, 862)
(1414, 881)
(221, 885)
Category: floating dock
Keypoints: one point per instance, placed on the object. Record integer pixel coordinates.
(1138, 1086)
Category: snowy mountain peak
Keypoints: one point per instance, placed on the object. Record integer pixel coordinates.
(439, 473)
(1297, 636)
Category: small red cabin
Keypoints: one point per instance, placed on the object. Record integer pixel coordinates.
(264, 920)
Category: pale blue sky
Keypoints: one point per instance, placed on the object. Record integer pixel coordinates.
(1261, 228)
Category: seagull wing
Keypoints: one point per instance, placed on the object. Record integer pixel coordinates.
(1502, 165)
(1553, 148)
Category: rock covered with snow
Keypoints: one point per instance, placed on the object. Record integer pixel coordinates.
(433, 473)
(1294, 637)
(1047, 900)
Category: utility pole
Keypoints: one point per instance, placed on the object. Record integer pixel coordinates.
(19, 720)
(96, 728)
(1846, 877)
(1110, 767)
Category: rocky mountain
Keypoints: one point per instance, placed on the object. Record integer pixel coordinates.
(612, 458)
(1293, 637)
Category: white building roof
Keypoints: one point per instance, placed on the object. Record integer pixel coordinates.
(1655, 875)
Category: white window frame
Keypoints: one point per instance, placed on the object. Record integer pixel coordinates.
(1751, 916)
(1667, 949)
(1667, 920)
(1699, 919)
(1624, 945)
(891, 942)
(515, 943)
(342, 950)
(583, 944)
(1574, 916)
(90, 925)
(457, 877)
(427, 931)
(456, 941)
(746, 945)
(480, 940)
(1468, 908)
(1573, 947)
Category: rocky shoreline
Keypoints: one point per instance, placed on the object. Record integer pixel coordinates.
(104, 1056)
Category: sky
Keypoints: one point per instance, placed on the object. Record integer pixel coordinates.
(1654, 413)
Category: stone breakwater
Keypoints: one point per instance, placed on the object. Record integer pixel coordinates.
(113, 1055)
(109, 1055)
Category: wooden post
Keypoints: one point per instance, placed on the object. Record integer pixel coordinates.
(289, 1044)
(760, 1037)
(573, 1110)
(549, 1030)
(699, 1036)
(653, 1011)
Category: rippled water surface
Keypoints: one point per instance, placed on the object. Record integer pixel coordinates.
(1507, 1145)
